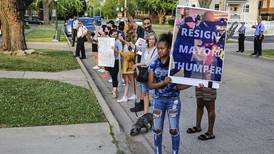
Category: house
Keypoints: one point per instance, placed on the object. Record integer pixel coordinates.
(266, 9)
(239, 10)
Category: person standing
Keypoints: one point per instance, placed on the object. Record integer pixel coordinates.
(241, 39)
(259, 37)
(75, 26)
(148, 56)
(81, 34)
(147, 27)
(166, 99)
(205, 98)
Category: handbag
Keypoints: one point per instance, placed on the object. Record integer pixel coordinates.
(142, 74)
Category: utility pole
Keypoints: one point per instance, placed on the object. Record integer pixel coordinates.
(125, 8)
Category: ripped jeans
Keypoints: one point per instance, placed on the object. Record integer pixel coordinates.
(173, 108)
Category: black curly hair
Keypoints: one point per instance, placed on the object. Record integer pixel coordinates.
(167, 38)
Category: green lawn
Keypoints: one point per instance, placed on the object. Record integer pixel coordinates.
(268, 53)
(43, 60)
(160, 29)
(265, 53)
(231, 41)
(44, 33)
(25, 102)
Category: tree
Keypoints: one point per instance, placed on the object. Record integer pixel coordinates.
(11, 17)
(68, 8)
(161, 7)
(109, 8)
(46, 7)
(205, 3)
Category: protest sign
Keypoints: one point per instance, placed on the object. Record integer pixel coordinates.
(198, 46)
(141, 46)
(106, 51)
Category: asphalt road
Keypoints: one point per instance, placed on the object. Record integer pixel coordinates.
(244, 109)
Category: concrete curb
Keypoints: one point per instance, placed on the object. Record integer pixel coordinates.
(110, 117)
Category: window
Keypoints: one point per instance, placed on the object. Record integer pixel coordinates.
(233, 9)
(272, 4)
(217, 7)
(246, 8)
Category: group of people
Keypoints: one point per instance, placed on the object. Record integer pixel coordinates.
(258, 37)
(158, 91)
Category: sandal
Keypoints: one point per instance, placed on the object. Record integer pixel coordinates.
(193, 130)
(206, 136)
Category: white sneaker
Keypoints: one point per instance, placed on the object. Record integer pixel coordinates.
(101, 71)
(110, 80)
(123, 99)
(133, 97)
(96, 67)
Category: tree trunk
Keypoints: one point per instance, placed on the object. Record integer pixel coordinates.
(161, 15)
(46, 7)
(11, 16)
(46, 13)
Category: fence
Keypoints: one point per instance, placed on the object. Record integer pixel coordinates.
(269, 28)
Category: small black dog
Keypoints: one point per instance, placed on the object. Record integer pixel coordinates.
(145, 121)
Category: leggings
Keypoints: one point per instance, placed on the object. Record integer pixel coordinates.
(171, 106)
(114, 73)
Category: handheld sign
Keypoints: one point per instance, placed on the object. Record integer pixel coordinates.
(197, 55)
(106, 56)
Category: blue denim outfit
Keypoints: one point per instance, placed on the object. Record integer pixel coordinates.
(166, 99)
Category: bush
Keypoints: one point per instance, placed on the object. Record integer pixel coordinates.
(171, 22)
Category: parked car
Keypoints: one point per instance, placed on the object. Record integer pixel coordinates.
(98, 20)
(88, 23)
(68, 27)
(34, 21)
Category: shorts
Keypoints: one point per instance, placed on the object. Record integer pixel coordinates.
(145, 88)
(207, 94)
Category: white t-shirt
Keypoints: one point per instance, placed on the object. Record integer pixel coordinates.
(81, 31)
(149, 56)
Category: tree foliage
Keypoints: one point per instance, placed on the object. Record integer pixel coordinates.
(161, 7)
(70, 8)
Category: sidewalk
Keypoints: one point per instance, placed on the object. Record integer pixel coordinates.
(74, 77)
(94, 138)
(227, 140)
(66, 139)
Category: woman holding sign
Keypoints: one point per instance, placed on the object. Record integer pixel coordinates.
(166, 96)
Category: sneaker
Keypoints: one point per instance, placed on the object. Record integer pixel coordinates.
(101, 71)
(110, 80)
(133, 97)
(96, 67)
(123, 99)
(137, 108)
(141, 102)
